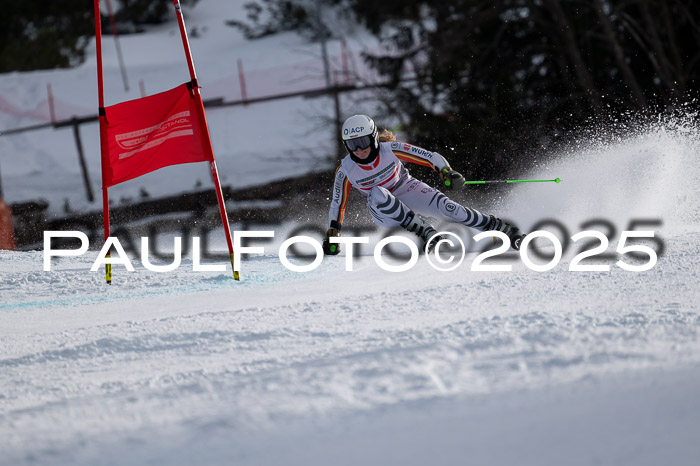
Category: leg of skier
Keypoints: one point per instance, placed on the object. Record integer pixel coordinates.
(388, 211)
(426, 200)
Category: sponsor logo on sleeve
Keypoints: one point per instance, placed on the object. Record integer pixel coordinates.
(337, 192)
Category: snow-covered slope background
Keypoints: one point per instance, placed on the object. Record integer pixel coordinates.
(253, 144)
(362, 367)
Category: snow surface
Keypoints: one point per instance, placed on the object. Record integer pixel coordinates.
(369, 367)
(362, 367)
(366, 367)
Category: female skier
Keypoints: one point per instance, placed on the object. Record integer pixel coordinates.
(373, 167)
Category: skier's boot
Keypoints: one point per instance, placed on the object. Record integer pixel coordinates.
(515, 235)
(422, 229)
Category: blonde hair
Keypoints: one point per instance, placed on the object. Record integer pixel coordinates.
(386, 136)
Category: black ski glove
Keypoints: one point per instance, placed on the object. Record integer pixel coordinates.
(331, 249)
(451, 179)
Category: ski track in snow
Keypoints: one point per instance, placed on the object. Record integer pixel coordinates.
(83, 362)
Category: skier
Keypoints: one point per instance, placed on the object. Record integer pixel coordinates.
(394, 198)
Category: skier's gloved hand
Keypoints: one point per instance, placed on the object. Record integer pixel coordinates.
(451, 179)
(331, 249)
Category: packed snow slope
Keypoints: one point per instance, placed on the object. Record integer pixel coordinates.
(335, 367)
(372, 367)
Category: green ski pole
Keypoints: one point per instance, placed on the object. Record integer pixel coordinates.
(448, 183)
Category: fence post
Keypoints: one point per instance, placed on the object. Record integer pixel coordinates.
(241, 79)
(81, 157)
(52, 109)
(115, 35)
(344, 59)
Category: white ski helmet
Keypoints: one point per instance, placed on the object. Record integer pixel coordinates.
(359, 132)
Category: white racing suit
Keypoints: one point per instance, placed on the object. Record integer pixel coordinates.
(392, 192)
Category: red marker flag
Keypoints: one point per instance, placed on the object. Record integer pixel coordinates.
(153, 132)
(143, 135)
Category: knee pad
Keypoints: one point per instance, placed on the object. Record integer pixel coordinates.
(386, 210)
(450, 209)
(378, 196)
(456, 212)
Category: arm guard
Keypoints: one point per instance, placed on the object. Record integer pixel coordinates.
(414, 154)
(341, 193)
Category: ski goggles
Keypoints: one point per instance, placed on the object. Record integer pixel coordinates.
(363, 142)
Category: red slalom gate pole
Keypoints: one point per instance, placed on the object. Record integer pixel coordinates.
(103, 133)
(206, 140)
